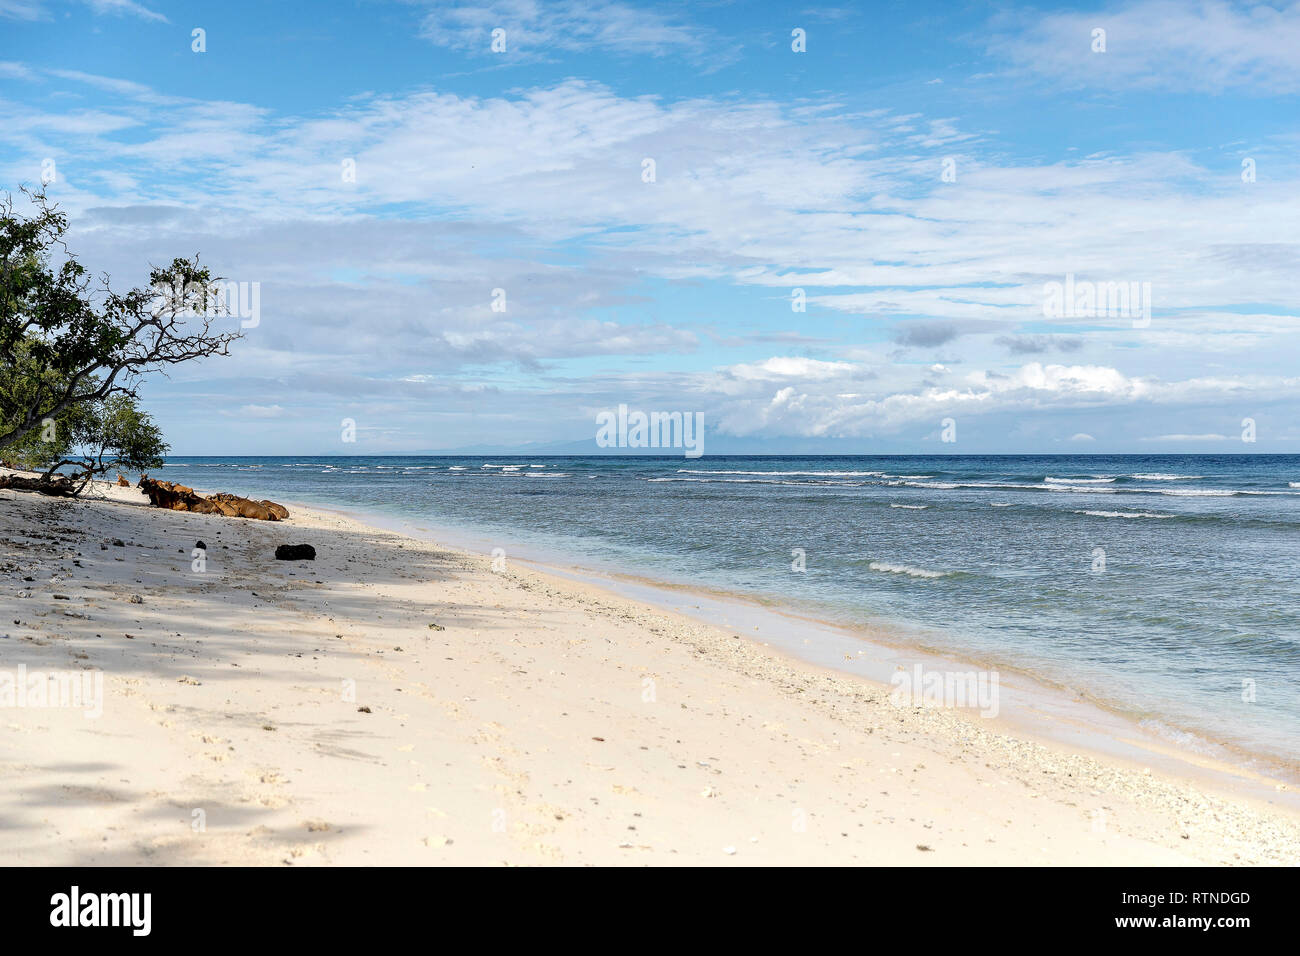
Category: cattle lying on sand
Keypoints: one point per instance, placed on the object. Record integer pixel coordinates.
(166, 494)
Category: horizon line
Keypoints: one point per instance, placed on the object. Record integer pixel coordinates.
(512, 454)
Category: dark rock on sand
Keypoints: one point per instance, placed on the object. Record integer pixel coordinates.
(295, 552)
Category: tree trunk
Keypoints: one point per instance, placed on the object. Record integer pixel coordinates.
(59, 487)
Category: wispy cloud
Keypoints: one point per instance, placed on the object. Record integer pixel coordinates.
(1038, 344)
(40, 9)
(533, 29)
(126, 8)
(23, 10)
(924, 297)
(1206, 45)
(1183, 439)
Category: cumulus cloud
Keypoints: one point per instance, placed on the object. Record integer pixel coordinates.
(833, 407)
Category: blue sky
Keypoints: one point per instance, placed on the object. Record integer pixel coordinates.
(775, 170)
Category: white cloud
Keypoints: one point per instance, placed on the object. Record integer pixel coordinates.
(38, 10)
(23, 10)
(787, 367)
(1061, 380)
(754, 193)
(751, 193)
(535, 28)
(261, 411)
(810, 407)
(125, 8)
(1189, 438)
(1204, 45)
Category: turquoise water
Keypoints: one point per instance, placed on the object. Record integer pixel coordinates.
(1159, 585)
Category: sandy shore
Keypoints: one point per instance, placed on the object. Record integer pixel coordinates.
(397, 702)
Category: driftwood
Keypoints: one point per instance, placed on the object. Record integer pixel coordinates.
(59, 486)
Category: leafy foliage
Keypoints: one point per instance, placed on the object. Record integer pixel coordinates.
(67, 341)
(90, 439)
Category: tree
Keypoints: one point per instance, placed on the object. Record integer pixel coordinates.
(67, 341)
(89, 439)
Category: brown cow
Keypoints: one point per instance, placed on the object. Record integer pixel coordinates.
(236, 507)
(165, 494)
(280, 511)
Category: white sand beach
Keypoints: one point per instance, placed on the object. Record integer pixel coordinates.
(399, 702)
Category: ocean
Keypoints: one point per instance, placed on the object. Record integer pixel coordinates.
(1164, 587)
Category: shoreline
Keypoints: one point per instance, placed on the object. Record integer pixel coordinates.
(1041, 707)
(528, 702)
(1255, 745)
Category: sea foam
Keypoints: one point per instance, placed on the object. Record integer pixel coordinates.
(905, 569)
